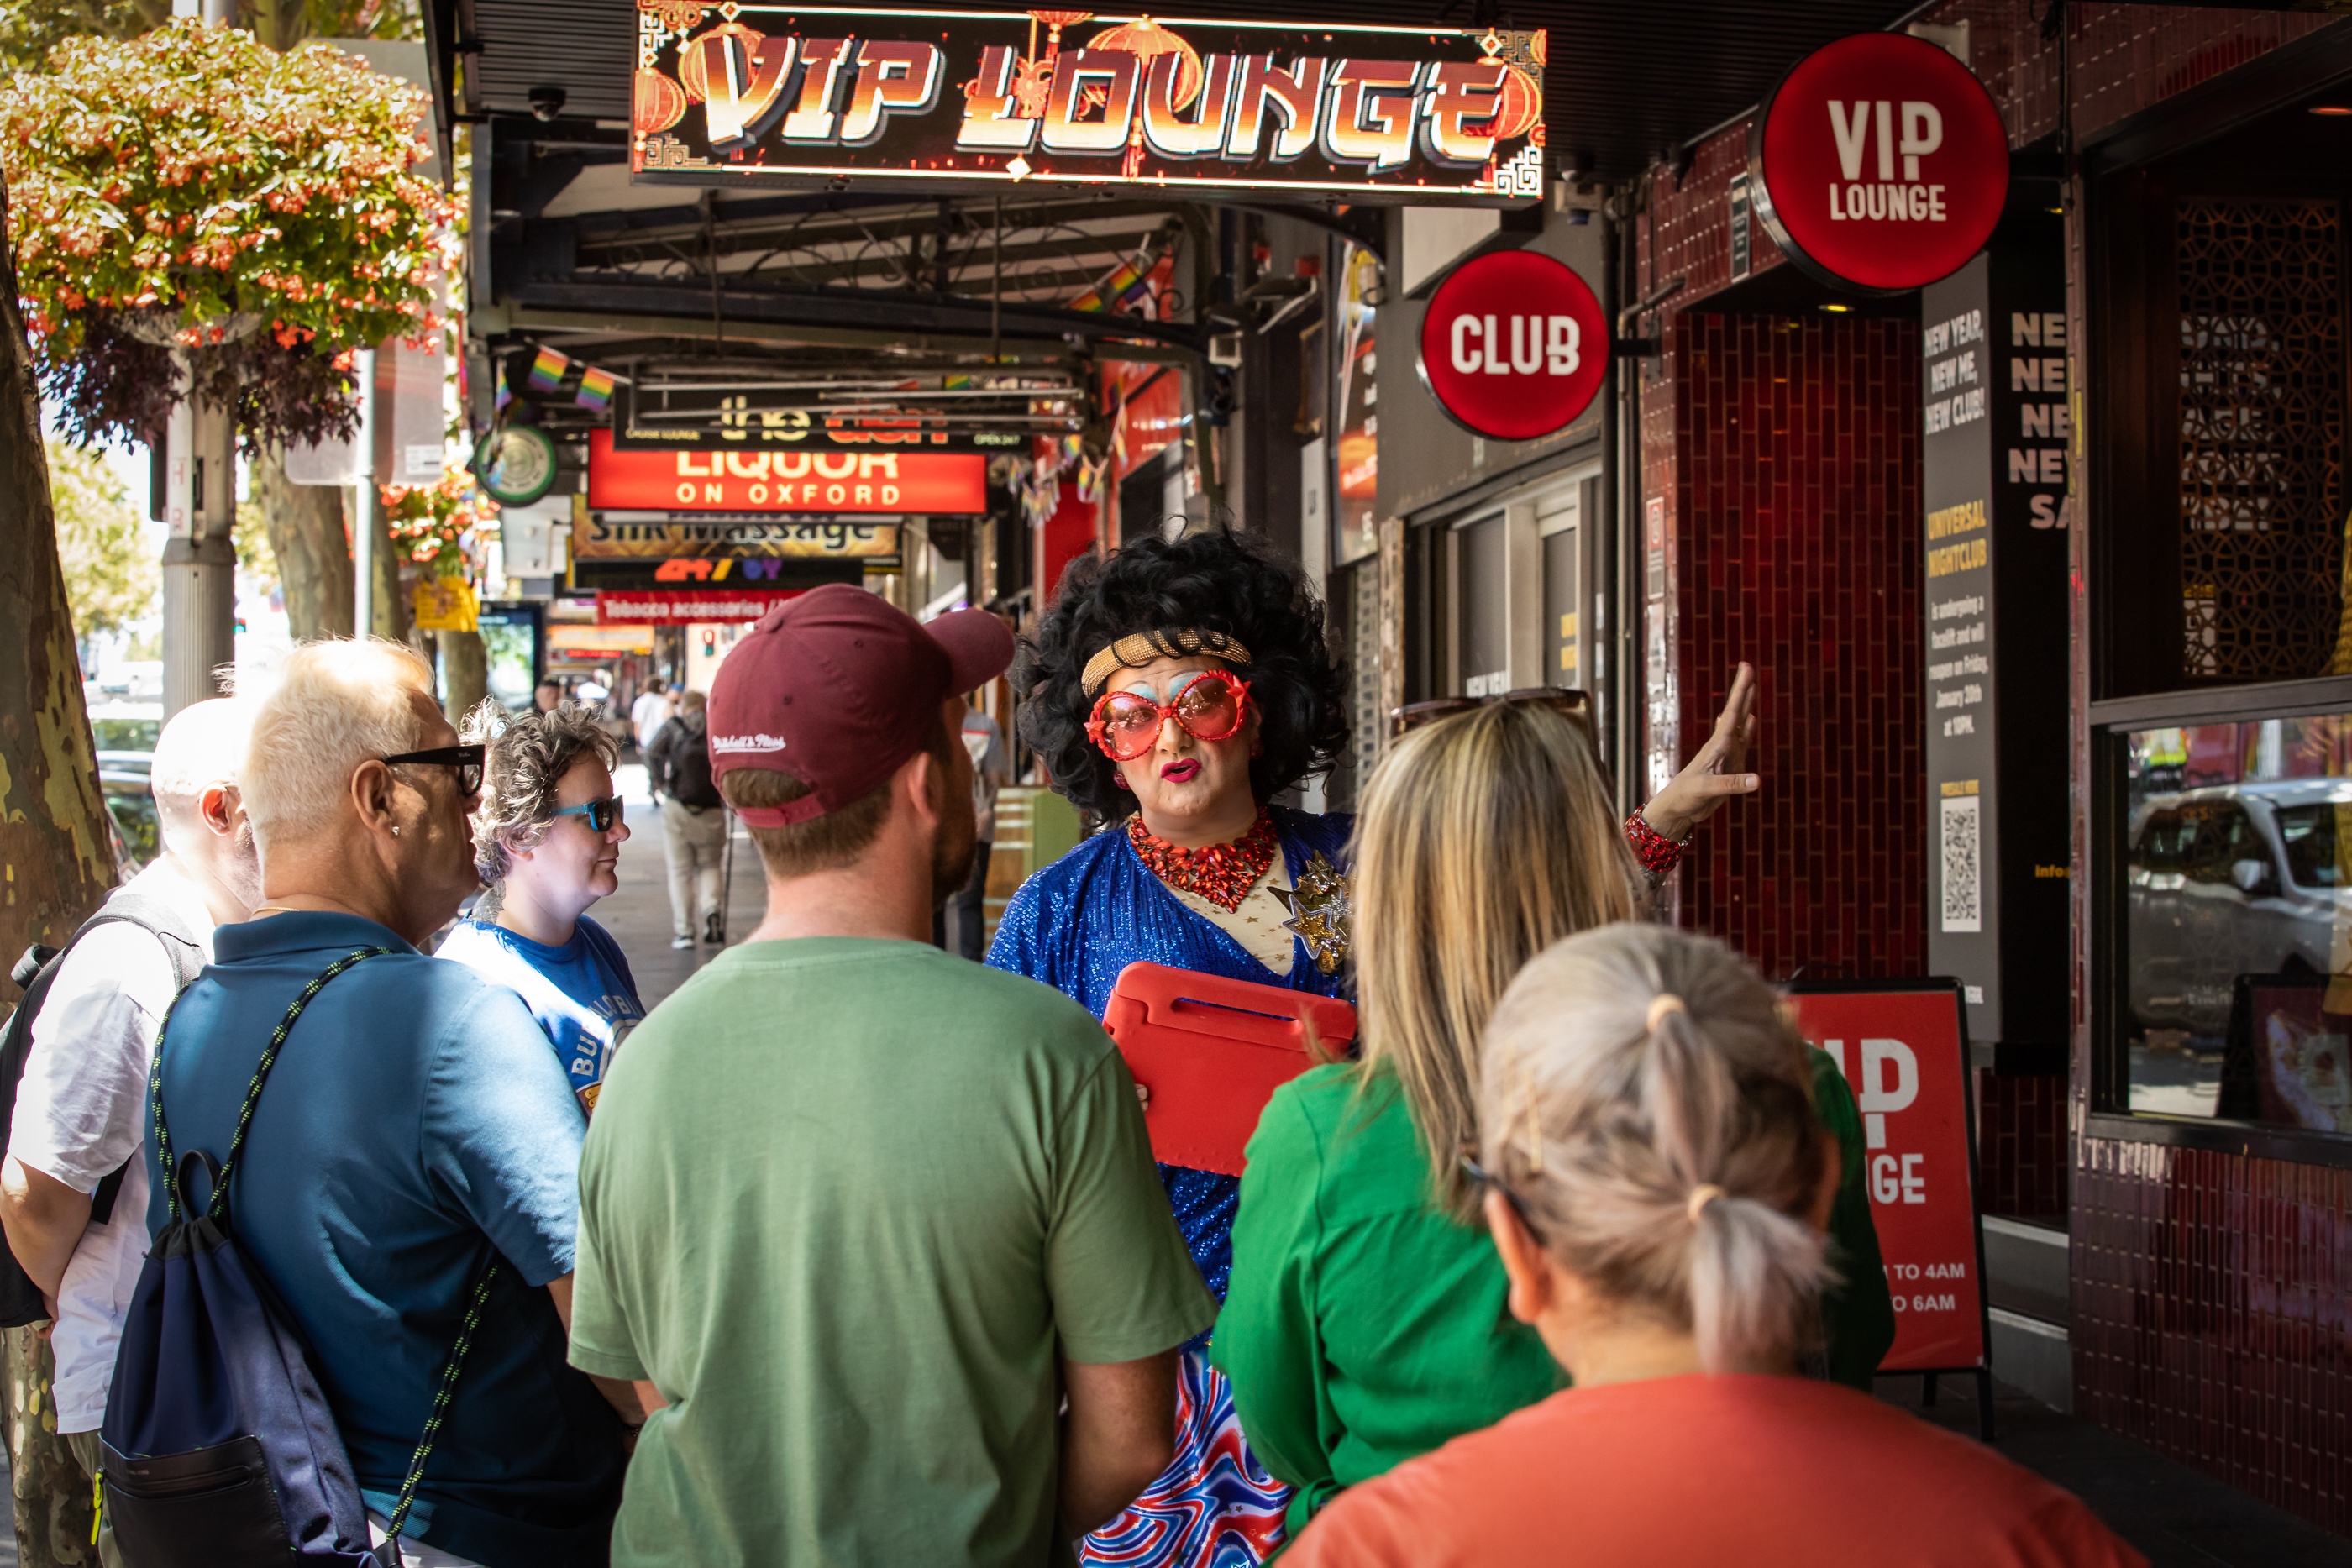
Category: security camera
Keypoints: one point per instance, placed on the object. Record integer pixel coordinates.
(546, 104)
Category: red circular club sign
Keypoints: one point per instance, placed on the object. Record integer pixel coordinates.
(1514, 345)
(1879, 162)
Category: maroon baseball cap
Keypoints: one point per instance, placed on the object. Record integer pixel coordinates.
(837, 688)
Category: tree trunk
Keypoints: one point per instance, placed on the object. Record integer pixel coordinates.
(55, 863)
(465, 671)
(313, 548)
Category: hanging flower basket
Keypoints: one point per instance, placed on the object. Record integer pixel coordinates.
(169, 326)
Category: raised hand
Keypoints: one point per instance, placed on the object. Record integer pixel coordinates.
(1715, 773)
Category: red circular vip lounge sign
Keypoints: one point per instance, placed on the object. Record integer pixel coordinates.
(1514, 345)
(1879, 162)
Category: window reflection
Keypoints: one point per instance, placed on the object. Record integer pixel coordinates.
(2239, 921)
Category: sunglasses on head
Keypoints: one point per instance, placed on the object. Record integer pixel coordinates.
(1485, 1180)
(1125, 724)
(601, 814)
(465, 759)
(1567, 700)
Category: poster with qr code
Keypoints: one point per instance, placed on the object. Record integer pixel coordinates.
(1963, 875)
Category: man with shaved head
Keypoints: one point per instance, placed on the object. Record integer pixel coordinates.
(73, 1195)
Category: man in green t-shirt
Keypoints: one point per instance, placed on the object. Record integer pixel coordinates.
(858, 1218)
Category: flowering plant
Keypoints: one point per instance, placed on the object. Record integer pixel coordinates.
(193, 176)
(435, 524)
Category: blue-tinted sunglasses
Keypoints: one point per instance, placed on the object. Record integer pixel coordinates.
(601, 814)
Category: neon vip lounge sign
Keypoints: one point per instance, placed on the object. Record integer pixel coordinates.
(1879, 162)
(939, 99)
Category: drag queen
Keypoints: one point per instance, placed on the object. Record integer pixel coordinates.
(1175, 690)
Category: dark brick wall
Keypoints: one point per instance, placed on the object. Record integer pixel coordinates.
(1794, 520)
(2021, 1143)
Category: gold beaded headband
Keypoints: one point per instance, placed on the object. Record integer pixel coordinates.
(1142, 647)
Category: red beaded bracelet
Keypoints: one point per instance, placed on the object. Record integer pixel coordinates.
(1658, 853)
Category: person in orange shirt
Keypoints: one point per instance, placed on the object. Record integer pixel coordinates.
(1657, 1183)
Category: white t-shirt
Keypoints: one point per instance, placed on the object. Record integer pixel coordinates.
(649, 713)
(81, 1111)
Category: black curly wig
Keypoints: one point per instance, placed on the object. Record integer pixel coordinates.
(1216, 582)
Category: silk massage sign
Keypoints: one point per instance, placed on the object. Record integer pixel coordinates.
(937, 100)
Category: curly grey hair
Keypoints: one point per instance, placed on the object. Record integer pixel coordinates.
(529, 756)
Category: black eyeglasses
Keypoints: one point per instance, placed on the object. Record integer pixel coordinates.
(1566, 700)
(600, 813)
(1486, 1180)
(465, 759)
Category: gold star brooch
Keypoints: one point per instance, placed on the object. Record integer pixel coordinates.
(1319, 913)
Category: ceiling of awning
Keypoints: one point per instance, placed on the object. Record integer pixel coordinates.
(1628, 81)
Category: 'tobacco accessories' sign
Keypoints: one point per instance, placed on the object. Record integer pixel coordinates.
(1514, 345)
(1879, 163)
(939, 99)
(759, 481)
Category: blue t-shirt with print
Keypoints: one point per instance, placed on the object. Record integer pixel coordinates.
(582, 993)
(415, 1122)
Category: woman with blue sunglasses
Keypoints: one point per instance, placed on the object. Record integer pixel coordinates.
(546, 840)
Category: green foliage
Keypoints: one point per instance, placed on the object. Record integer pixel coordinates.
(111, 576)
(29, 30)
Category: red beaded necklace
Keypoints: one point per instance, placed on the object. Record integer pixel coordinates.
(1222, 873)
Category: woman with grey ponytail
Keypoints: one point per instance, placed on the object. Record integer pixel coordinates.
(1657, 1181)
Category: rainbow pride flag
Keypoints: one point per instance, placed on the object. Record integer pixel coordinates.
(547, 370)
(595, 388)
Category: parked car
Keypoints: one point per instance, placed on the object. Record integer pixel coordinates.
(2230, 879)
(122, 780)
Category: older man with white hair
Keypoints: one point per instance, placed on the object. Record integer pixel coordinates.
(73, 1195)
(413, 1130)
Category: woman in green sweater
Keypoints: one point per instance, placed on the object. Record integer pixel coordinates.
(1366, 1323)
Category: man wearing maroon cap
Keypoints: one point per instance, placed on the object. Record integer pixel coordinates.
(857, 1216)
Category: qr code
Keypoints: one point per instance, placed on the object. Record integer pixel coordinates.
(1963, 879)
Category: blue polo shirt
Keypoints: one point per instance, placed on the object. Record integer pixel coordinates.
(416, 1119)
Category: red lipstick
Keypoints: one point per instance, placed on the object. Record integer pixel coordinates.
(1182, 772)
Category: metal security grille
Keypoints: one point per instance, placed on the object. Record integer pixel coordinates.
(2262, 435)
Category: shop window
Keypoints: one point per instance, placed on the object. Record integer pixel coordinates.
(2235, 977)
(2260, 344)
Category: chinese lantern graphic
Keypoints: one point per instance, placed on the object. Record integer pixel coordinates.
(1035, 77)
(692, 61)
(657, 103)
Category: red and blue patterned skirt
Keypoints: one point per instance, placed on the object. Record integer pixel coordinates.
(1214, 1507)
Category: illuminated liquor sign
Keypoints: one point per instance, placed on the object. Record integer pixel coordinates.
(1880, 163)
(934, 99)
(827, 480)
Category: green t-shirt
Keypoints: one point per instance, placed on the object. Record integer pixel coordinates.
(1364, 1328)
(847, 1204)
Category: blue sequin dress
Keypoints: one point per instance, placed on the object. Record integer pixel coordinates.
(1074, 925)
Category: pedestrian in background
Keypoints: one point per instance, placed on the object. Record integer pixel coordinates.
(962, 918)
(1657, 1182)
(547, 842)
(415, 1129)
(81, 1097)
(653, 708)
(875, 1231)
(694, 823)
(547, 694)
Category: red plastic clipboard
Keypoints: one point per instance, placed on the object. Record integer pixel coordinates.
(1212, 1051)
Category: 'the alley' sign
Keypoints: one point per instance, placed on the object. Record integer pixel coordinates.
(1904, 1055)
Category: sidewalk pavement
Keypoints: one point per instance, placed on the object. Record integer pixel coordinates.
(2177, 1517)
(639, 915)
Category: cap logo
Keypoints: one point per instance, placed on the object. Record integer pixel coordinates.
(747, 743)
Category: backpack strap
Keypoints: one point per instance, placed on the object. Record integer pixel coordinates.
(186, 953)
(218, 1206)
(443, 1394)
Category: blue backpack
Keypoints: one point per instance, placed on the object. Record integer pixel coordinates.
(219, 1450)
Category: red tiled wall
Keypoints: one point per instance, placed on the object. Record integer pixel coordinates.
(2021, 1143)
(2210, 1294)
(1794, 504)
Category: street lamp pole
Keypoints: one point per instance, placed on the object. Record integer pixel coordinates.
(199, 550)
(363, 504)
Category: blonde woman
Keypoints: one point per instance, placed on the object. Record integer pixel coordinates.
(1365, 1324)
(1659, 1180)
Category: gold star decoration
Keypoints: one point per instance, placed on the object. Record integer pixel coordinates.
(1320, 913)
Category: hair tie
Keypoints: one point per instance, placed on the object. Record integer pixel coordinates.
(1661, 1004)
(1702, 1194)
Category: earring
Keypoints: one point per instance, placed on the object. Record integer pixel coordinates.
(395, 830)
